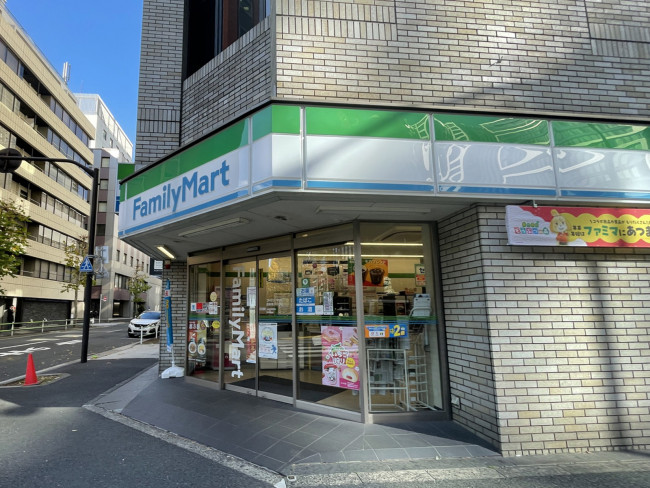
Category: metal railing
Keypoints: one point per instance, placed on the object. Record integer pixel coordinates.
(12, 328)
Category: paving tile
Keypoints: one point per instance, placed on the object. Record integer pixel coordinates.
(242, 452)
(355, 444)
(332, 457)
(411, 440)
(480, 451)
(260, 443)
(283, 451)
(297, 421)
(300, 438)
(453, 451)
(422, 452)
(320, 426)
(270, 463)
(327, 444)
(381, 441)
(360, 455)
(307, 456)
(277, 431)
(397, 453)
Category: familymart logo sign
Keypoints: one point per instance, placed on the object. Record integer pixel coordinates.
(190, 187)
(199, 190)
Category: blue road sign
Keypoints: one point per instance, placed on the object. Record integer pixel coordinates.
(86, 267)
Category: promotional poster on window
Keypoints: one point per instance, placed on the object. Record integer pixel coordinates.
(340, 346)
(577, 226)
(196, 341)
(374, 271)
(268, 341)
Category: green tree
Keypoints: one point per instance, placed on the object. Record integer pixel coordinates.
(74, 255)
(13, 238)
(138, 286)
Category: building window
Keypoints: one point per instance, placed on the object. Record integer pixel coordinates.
(213, 25)
(101, 207)
(101, 229)
(118, 256)
(103, 184)
(106, 162)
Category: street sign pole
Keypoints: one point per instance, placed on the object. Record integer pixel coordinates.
(88, 289)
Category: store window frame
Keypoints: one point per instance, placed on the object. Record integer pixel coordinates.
(292, 244)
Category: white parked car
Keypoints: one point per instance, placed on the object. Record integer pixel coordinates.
(147, 323)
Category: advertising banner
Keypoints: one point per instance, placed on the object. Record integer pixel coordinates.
(340, 349)
(374, 271)
(196, 341)
(268, 340)
(578, 226)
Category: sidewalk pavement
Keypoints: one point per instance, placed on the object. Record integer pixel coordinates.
(311, 449)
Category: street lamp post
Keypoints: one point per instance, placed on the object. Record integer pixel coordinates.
(10, 160)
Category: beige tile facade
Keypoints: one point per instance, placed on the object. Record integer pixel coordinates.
(549, 349)
(533, 56)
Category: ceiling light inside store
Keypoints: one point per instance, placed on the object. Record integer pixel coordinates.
(222, 224)
(166, 252)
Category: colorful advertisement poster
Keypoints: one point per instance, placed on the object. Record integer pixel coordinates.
(268, 340)
(197, 331)
(340, 346)
(374, 271)
(578, 226)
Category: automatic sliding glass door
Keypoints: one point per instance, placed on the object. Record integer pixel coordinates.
(275, 338)
(240, 327)
(258, 332)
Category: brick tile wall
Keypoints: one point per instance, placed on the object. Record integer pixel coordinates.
(159, 90)
(232, 84)
(567, 333)
(177, 275)
(550, 56)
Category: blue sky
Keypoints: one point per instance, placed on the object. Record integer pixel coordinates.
(100, 40)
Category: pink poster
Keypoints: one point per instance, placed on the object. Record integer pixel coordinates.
(340, 346)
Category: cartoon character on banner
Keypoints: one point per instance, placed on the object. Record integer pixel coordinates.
(560, 227)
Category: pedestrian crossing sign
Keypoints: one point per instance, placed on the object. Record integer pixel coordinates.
(86, 267)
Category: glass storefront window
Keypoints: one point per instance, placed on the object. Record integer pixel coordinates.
(204, 324)
(296, 328)
(400, 325)
(326, 325)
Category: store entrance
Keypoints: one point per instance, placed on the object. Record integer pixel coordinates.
(258, 335)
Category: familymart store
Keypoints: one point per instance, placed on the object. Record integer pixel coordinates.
(303, 247)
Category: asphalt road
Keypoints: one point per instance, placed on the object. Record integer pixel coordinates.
(50, 440)
(57, 347)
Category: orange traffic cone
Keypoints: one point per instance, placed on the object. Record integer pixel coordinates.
(30, 374)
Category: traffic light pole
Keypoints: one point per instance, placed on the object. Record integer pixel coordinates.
(10, 160)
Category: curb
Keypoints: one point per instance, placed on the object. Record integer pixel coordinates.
(228, 460)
